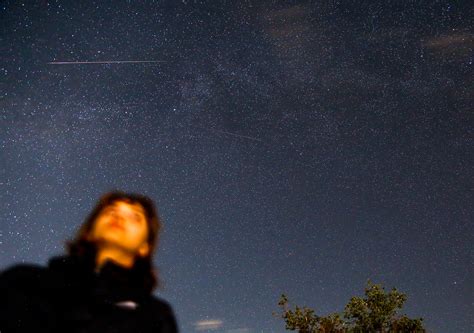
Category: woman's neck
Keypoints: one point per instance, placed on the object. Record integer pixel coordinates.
(119, 257)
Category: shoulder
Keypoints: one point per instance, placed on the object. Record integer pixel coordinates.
(28, 276)
(163, 310)
(160, 304)
(22, 280)
(22, 272)
(23, 307)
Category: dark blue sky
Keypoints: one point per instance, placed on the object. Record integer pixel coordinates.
(295, 147)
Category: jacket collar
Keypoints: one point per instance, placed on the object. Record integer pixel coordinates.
(112, 280)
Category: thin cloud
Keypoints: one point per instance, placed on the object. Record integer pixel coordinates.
(210, 324)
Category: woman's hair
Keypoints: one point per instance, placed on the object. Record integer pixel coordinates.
(81, 247)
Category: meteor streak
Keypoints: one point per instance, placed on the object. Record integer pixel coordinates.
(103, 62)
(236, 135)
(229, 133)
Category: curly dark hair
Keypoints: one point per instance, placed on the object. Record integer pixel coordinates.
(80, 247)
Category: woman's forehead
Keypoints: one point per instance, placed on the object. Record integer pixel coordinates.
(135, 206)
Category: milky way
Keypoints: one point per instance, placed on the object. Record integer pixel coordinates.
(297, 148)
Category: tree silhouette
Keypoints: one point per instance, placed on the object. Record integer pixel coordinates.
(376, 313)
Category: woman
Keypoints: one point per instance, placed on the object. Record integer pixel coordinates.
(103, 284)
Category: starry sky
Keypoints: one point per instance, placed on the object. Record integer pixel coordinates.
(297, 147)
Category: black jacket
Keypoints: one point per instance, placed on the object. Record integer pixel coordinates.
(68, 296)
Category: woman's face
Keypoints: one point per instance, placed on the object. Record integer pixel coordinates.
(122, 225)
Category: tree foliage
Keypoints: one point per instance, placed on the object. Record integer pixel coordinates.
(376, 312)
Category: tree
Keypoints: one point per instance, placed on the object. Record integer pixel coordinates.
(376, 313)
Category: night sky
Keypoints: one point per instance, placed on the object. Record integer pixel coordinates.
(297, 147)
